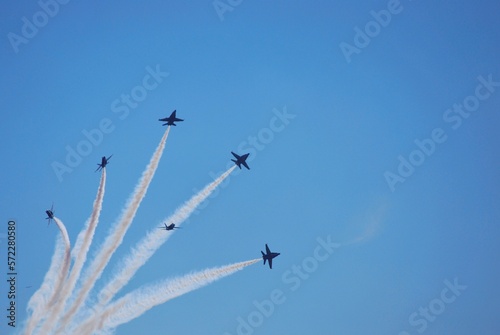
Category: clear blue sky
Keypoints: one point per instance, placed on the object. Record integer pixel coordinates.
(329, 171)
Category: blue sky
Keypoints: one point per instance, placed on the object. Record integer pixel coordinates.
(319, 171)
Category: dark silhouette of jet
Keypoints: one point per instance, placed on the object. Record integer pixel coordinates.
(50, 214)
(169, 227)
(269, 256)
(240, 160)
(104, 162)
(170, 120)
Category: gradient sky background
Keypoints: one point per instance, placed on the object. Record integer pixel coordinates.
(322, 175)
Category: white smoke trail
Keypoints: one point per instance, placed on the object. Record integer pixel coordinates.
(61, 275)
(115, 238)
(80, 251)
(141, 300)
(38, 302)
(89, 228)
(140, 254)
(63, 271)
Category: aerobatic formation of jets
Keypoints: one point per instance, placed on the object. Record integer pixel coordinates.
(239, 160)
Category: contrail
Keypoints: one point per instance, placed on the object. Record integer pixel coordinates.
(140, 254)
(141, 300)
(115, 238)
(38, 302)
(80, 251)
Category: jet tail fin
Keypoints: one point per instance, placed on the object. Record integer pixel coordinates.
(263, 257)
(237, 164)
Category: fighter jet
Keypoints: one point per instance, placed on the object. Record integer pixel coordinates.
(171, 119)
(269, 256)
(104, 162)
(169, 227)
(240, 160)
(50, 214)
